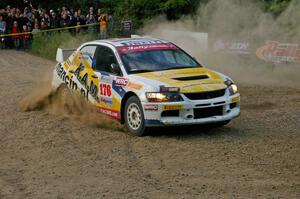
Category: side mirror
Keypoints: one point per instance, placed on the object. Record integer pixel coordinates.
(115, 69)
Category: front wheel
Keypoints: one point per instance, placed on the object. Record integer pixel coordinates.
(134, 116)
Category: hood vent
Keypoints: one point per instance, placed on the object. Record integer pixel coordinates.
(190, 78)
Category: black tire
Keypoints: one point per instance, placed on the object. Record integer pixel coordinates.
(134, 116)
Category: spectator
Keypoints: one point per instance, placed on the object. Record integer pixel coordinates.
(55, 21)
(64, 22)
(32, 20)
(75, 22)
(103, 26)
(90, 15)
(16, 38)
(110, 22)
(2, 31)
(35, 29)
(126, 27)
(81, 16)
(25, 37)
(98, 13)
(91, 20)
(2, 25)
(64, 11)
(36, 23)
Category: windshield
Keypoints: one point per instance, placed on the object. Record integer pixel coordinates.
(156, 60)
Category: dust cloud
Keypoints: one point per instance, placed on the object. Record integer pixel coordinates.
(67, 104)
(243, 22)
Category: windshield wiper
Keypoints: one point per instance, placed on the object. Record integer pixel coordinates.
(140, 71)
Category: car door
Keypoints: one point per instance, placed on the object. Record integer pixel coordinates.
(110, 85)
(81, 74)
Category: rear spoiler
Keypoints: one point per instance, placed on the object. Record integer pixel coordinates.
(60, 54)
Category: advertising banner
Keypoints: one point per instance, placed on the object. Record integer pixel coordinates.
(276, 52)
(233, 47)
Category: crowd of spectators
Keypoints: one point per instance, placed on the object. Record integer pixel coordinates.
(30, 19)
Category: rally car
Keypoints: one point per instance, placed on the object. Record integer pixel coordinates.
(147, 82)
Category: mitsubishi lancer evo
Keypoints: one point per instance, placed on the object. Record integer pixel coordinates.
(147, 82)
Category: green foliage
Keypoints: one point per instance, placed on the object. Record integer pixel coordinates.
(279, 5)
(276, 6)
(46, 44)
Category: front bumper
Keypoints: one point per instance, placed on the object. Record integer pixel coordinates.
(192, 111)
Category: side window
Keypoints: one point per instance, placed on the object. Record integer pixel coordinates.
(104, 58)
(89, 50)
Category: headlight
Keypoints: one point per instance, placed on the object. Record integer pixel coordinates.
(228, 82)
(163, 97)
(233, 89)
(231, 86)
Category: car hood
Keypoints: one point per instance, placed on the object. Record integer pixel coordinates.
(188, 80)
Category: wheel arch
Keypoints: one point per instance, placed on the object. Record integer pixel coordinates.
(123, 103)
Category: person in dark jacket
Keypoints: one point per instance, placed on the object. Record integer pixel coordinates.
(25, 37)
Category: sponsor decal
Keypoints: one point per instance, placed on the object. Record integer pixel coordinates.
(106, 79)
(172, 107)
(134, 85)
(234, 47)
(105, 90)
(140, 42)
(68, 80)
(66, 65)
(169, 89)
(143, 47)
(151, 107)
(90, 87)
(276, 52)
(110, 112)
(105, 100)
(120, 81)
(119, 90)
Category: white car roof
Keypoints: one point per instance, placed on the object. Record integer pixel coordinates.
(129, 41)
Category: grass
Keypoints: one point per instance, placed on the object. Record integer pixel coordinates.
(46, 44)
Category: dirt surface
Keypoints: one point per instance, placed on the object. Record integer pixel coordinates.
(48, 156)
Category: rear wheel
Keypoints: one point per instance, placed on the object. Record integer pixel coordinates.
(65, 100)
(134, 116)
(63, 91)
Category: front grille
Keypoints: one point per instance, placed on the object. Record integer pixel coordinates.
(205, 95)
(170, 113)
(208, 112)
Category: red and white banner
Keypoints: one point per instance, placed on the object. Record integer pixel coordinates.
(276, 52)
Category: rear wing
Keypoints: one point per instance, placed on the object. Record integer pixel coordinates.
(61, 54)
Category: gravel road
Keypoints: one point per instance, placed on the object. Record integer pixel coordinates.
(45, 155)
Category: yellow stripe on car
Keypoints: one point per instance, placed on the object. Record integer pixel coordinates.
(213, 82)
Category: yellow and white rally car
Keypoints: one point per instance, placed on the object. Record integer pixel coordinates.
(146, 82)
